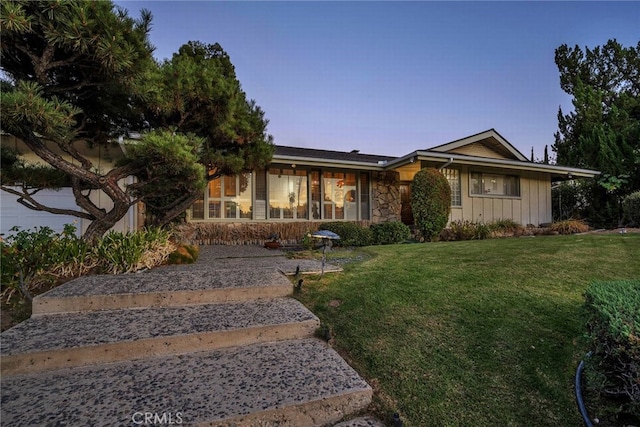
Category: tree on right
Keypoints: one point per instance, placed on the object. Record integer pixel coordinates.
(603, 130)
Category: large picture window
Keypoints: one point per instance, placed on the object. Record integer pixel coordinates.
(340, 195)
(230, 197)
(286, 193)
(489, 184)
(288, 197)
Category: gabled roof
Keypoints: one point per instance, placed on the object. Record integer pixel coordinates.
(485, 149)
(484, 144)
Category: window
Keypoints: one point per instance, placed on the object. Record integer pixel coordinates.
(288, 194)
(227, 197)
(340, 195)
(315, 195)
(488, 184)
(453, 176)
(364, 195)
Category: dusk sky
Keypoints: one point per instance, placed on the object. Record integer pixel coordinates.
(393, 77)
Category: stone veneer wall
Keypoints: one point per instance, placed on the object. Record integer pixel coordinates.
(386, 201)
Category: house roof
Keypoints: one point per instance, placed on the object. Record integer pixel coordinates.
(312, 156)
(484, 149)
(490, 140)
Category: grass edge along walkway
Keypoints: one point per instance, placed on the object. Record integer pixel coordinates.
(479, 333)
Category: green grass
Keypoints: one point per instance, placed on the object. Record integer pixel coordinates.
(474, 333)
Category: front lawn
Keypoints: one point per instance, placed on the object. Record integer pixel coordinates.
(474, 333)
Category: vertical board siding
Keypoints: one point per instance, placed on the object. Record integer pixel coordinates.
(532, 207)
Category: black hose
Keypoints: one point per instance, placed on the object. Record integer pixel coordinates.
(581, 407)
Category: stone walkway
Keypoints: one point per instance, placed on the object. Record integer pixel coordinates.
(217, 343)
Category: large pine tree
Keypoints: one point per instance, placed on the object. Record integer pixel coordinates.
(82, 72)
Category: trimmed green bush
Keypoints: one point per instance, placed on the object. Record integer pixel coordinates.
(613, 321)
(430, 202)
(351, 234)
(388, 233)
(631, 209)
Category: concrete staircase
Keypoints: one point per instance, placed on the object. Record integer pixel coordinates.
(218, 343)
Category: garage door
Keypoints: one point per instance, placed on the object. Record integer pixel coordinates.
(13, 213)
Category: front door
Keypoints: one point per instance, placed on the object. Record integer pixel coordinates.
(406, 215)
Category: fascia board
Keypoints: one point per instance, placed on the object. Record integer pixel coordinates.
(327, 163)
(479, 137)
(508, 164)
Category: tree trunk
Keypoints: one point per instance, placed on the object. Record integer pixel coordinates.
(101, 219)
(170, 214)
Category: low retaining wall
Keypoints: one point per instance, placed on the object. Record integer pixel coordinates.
(246, 233)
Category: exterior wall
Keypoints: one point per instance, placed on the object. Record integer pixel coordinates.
(532, 207)
(385, 196)
(14, 213)
(479, 149)
(103, 158)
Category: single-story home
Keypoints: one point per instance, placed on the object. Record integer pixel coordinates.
(490, 179)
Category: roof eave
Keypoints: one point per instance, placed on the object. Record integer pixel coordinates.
(479, 137)
(482, 161)
(311, 161)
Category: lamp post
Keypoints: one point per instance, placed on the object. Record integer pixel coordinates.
(326, 236)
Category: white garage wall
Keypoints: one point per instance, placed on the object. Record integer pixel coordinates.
(13, 213)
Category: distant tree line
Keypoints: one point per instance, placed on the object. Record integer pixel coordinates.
(602, 132)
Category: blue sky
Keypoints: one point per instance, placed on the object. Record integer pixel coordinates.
(393, 77)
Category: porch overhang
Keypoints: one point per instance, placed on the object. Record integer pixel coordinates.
(558, 173)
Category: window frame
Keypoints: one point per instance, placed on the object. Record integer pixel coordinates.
(361, 205)
(455, 193)
(484, 174)
(224, 199)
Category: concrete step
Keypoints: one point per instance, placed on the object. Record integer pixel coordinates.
(76, 339)
(294, 383)
(285, 265)
(162, 288)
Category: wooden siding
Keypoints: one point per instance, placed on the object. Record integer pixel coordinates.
(532, 207)
(479, 149)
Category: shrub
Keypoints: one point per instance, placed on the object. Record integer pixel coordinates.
(467, 230)
(350, 234)
(127, 252)
(631, 209)
(308, 242)
(569, 226)
(388, 233)
(613, 322)
(504, 227)
(184, 254)
(25, 255)
(430, 202)
(39, 256)
(568, 200)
